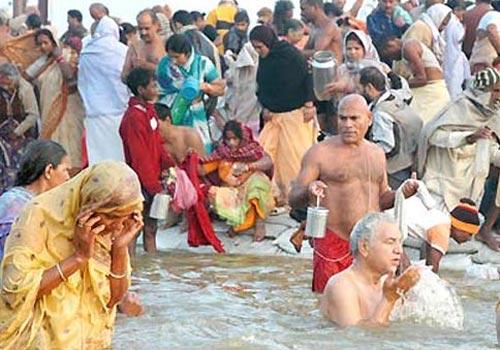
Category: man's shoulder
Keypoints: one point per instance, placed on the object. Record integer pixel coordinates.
(340, 284)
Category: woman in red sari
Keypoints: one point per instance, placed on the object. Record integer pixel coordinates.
(244, 198)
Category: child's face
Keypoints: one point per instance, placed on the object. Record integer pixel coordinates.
(242, 26)
(231, 139)
(459, 236)
(150, 92)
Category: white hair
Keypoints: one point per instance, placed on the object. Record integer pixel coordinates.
(366, 227)
(10, 71)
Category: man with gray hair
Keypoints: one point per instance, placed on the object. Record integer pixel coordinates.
(365, 293)
(18, 117)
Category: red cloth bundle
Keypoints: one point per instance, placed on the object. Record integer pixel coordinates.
(200, 229)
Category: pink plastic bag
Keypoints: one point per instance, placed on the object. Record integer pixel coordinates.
(185, 195)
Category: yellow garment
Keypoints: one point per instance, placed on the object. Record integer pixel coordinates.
(74, 315)
(430, 99)
(286, 138)
(419, 31)
(224, 13)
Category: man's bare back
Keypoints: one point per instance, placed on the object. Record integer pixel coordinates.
(355, 179)
(179, 140)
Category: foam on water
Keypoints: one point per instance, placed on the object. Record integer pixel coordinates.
(432, 302)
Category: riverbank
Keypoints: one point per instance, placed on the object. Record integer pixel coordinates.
(474, 257)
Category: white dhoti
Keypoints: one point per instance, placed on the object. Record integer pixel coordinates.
(103, 139)
(428, 100)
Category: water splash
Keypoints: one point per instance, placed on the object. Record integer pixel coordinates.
(432, 302)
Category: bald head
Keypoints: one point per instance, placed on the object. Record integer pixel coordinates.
(354, 101)
(354, 119)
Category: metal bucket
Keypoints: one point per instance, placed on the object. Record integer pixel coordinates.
(160, 206)
(316, 222)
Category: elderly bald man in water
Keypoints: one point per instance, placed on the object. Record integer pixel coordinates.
(349, 174)
(365, 293)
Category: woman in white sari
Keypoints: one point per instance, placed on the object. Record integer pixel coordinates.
(104, 95)
(61, 107)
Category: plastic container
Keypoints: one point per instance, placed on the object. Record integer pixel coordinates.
(324, 69)
(190, 89)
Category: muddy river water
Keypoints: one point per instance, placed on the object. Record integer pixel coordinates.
(196, 301)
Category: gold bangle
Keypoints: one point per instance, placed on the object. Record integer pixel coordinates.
(61, 273)
(117, 277)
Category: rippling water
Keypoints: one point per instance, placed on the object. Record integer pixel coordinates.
(197, 301)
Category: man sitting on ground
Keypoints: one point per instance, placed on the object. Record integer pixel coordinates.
(360, 295)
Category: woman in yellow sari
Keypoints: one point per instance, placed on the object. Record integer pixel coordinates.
(244, 198)
(61, 107)
(66, 262)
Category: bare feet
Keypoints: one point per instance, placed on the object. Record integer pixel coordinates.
(260, 231)
(231, 233)
(131, 305)
(487, 237)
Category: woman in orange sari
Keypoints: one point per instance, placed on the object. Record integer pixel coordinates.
(61, 107)
(244, 198)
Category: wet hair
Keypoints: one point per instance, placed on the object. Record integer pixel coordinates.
(10, 71)
(366, 227)
(139, 77)
(293, 25)
(76, 14)
(178, 43)
(47, 33)
(333, 10)
(235, 127)
(163, 112)
(210, 32)
(150, 13)
(34, 21)
(125, 29)
(37, 156)
(241, 16)
(183, 17)
(372, 75)
(279, 17)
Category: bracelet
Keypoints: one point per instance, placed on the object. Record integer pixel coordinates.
(61, 273)
(117, 277)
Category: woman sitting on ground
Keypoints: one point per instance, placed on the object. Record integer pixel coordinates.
(66, 262)
(44, 165)
(244, 199)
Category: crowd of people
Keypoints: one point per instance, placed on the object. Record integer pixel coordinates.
(99, 126)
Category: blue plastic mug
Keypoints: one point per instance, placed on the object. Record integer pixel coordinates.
(190, 89)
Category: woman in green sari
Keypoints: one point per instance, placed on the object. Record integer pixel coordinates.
(185, 77)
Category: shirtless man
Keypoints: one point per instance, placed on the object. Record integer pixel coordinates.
(430, 94)
(360, 295)
(178, 141)
(325, 35)
(150, 49)
(349, 174)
